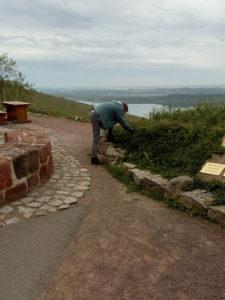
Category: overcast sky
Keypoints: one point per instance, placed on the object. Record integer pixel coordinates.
(115, 43)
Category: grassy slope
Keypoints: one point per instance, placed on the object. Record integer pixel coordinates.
(57, 106)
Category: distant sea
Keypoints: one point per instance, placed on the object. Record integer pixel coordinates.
(141, 101)
(140, 110)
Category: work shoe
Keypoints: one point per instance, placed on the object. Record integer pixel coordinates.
(95, 161)
(111, 139)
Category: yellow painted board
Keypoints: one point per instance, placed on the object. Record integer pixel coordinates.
(212, 168)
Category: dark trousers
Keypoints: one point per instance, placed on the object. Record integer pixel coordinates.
(96, 133)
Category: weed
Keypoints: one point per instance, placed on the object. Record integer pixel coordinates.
(173, 203)
(120, 174)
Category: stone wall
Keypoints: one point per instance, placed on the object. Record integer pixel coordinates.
(25, 163)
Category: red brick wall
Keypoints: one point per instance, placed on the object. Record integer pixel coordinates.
(25, 163)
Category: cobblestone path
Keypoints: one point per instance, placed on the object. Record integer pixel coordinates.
(68, 184)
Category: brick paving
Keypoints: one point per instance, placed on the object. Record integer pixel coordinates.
(67, 185)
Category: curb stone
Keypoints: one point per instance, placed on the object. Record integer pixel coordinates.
(217, 214)
(195, 199)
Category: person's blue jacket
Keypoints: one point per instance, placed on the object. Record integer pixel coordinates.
(110, 113)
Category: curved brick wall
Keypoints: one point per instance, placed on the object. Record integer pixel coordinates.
(25, 163)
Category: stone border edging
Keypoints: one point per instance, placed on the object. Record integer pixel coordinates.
(198, 199)
(25, 163)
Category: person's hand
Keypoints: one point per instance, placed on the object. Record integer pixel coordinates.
(132, 130)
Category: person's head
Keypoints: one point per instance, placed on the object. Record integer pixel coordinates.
(125, 107)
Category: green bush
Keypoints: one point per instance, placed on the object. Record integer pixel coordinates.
(177, 142)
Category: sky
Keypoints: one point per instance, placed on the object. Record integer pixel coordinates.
(115, 43)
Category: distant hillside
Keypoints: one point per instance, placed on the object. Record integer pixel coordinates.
(173, 97)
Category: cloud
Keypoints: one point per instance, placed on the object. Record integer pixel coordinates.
(127, 33)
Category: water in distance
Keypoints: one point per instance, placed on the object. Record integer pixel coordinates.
(140, 110)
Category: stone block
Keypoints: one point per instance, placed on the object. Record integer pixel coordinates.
(6, 209)
(5, 173)
(114, 152)
(196, 199)
(217, 214)
(155, 183)
(138, 175)
(176, 185)
(33, 181)
(50, 166)
(18, 135)
(24, 152)
(26, 163)
(45, 151)
(16, 192)
(41, 139)
(43, 173)
(152, 182)
(129, 166)
(46, 170)
(11, 136)
(26, 136)
(103, 146)
(12, 221)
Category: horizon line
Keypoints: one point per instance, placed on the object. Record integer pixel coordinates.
(135, 87)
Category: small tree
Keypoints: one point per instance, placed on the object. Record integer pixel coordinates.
(12, 82)
(24, 88)
(7, 72)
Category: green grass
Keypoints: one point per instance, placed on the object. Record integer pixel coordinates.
(175, 143)
(57, 106)
(121, 175)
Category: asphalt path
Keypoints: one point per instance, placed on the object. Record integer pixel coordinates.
(30, 252)
(112, 245)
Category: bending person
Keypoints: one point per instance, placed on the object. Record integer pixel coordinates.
(105, 116)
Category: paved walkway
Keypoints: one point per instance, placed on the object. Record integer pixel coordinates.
(64, 188)
(111, 244)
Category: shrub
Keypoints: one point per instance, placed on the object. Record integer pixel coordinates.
(177, 142)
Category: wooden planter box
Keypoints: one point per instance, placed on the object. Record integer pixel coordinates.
(17, 111)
